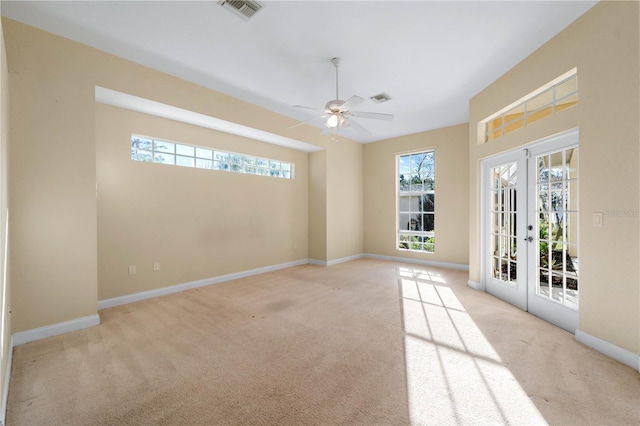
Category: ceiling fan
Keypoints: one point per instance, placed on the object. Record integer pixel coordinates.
(338, 114)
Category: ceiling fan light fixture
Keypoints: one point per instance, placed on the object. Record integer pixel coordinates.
(333, 121)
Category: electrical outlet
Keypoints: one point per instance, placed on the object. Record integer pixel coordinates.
(156, 266)
(132, 270)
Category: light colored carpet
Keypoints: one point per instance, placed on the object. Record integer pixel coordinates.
(365, 342)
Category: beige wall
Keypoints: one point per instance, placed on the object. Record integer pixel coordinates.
(344, 199)
(335, 201)
(197, 223)
(5, 299)
(603, 45)
(52, 181)
(318, 206)
(54, 257)
(451, 214)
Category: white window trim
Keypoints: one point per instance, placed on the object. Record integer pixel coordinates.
(483, 132)
(400, 232)
(248, 164)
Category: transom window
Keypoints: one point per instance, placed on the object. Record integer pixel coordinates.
(553, 97)
(416, 202)
(164, 152)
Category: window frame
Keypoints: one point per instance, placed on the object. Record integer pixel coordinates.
(208, 158)
(408, 239)
(502, 123)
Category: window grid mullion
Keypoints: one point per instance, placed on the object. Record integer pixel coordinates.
(502, 114)
(286, 172)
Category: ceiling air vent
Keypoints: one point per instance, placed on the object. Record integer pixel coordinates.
(380, 98)
(243, 8)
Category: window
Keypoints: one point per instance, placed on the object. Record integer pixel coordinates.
(551, 98)
(416, 202)
(163, 152)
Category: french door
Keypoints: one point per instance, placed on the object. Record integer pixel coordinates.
(530, 228)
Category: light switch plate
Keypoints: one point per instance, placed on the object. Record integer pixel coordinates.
(597, 219)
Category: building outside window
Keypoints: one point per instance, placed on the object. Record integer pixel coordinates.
(416, 202)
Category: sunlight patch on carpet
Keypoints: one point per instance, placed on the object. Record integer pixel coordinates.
(454, 375)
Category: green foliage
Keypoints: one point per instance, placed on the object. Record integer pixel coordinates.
(415, 243)
(544, 235)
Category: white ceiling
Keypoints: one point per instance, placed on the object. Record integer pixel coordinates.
(430, 57)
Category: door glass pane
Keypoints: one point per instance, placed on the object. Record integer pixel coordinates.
(504, 269)
(503, 222)
(572, 228)
(557, 167)
(557, 225)
(495, 178)
(543, 281)
(495, 270)
(543, 175)
(513, 249)
(557, 286)
(512, 271)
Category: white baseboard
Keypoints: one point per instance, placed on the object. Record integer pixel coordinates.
(7, 379)
(22, 337)
(609, 349)
(136, 297)
(335, 261)
(344, 259)
(457, 266)
(476, 286)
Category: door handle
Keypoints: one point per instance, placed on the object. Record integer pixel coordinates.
(530, 239)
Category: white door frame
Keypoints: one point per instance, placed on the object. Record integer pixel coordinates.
(561, 316)
(517, 294)
(556, 313)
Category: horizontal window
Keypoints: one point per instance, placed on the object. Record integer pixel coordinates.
(158, 151)
(553, 97)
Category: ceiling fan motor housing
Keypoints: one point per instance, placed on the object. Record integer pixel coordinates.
(333, 106)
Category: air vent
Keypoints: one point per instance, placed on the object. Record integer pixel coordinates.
(243, 8)
(380, 98)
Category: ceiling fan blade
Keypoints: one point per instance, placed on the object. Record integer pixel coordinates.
(351, 102)
(373, 115)
(358, 127)
(319, 119)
